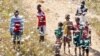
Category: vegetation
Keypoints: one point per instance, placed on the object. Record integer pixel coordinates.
(95, 9)
(96, 25)
(94, 6)
(30, 47)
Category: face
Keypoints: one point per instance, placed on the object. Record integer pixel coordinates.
(16, 14)
(67, 18)
(39, 8)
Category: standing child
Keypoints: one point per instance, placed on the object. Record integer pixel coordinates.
(59, 33)
(86, 40)
(57, 48)
(41, 23)
(77, 35)
(16, 27)
(82, 11)
(67, 27)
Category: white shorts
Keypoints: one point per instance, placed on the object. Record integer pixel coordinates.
(83, 19)
(42, 30)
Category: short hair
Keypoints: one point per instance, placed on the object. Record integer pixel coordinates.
(67, 16)
(16, 11)
(38, 6)
(60, 24)
(83, 2)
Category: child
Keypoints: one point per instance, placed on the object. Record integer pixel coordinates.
(41, 23)
(67, 27)
(86, 40)
(57, 48)
(77, 35)
(59, 32)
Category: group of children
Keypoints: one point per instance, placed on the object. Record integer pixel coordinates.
(67, 32)
(79, 34)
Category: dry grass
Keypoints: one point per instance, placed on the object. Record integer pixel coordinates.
(96, 25)
(30, 47)
(94, 6)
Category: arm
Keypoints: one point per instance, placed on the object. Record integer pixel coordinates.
(11, 26)
(22, 25)
(85, 11)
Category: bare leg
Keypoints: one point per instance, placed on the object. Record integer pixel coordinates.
(40, 39)
(14, 41)
(79, 51)
(18, 39)
(87, 52)
(60, 45)
(75, 51)
(83, 50)
(69, 47)
(64, 47)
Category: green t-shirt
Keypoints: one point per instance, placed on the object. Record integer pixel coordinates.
(59, 32)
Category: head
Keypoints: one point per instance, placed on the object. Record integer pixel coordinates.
(67, 17)
(60, 24)
(39, 7)
(16, 13)
(77, 19)
(83, 2)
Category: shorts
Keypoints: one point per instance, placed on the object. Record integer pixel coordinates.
(77, 41)
(85, 43)
(17, 36)
(83, 19)
(42, 30)
(67, 38)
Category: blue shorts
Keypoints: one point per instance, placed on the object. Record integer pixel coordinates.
(17, 36)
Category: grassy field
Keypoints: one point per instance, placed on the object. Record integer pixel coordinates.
(32, 47)
(93, 6)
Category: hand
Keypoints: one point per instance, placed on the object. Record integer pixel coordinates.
(11, 33)
(37, 27)
(21, 32)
